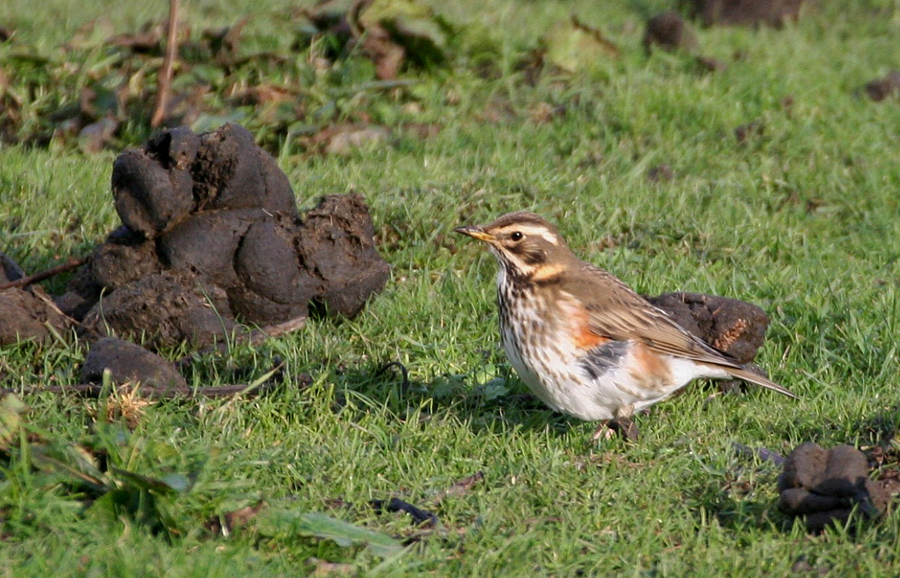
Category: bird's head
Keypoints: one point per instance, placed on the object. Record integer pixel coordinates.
(525, 245)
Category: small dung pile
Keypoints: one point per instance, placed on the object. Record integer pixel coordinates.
(211, 235)
(826, 486)
(129, 363)
(670, 32)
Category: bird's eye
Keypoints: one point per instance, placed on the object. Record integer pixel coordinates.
(516, 236)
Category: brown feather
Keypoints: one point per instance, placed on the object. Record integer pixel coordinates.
(617, 312)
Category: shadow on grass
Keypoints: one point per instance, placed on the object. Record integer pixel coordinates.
(497, 406)
(879, 429)
(721, 500)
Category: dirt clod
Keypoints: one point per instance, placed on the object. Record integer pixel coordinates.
(744, 132)
(669, 32)
(826, 486)
(882, 88)
(25, 313)
(660, 173)
(709, 64)
(28, 314)
(129, 363)
(164, 308)
(211, 237)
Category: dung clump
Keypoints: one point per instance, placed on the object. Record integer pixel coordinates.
(828, 486)
(211, 237)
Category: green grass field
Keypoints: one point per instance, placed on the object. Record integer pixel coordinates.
(802, 218)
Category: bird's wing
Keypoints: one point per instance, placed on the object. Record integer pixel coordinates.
(615, 311)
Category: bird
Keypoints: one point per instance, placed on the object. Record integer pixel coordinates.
(583, 341)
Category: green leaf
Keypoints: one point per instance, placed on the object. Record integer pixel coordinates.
(494, 389)
(208, 122)
(177, 482)
(342, 533)
(140, 505)
(72, 462)
(168, 485)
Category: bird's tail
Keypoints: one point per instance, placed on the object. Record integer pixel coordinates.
(759, 380)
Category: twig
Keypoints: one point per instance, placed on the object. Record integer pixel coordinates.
(418, 515)
(28, 280)
(458, 488)
(398, 365)
(763, 454)
(276, 330)
(165, 77)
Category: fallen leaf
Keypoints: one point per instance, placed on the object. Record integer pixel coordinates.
(343, 138)
(410, 24)
(326, 568)
(148, 40)
(573, 46)
(422, 131)
(460, 487)
(265, 93)
(228, 522)
(385, 53)
(11, 410)
(74, 463)
(93, 137)
(388, 32)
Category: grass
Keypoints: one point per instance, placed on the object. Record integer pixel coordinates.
(803, 219)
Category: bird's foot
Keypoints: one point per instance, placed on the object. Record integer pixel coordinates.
(623, 426)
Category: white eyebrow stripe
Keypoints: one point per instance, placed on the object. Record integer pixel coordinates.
(535, 231)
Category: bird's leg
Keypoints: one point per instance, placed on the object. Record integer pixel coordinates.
(624, 424)
(603, 431)
(621, 424)
(625, 427)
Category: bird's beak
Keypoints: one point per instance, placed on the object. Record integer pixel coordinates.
(476, 233)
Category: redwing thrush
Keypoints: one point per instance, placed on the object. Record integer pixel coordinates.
(582, 340)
